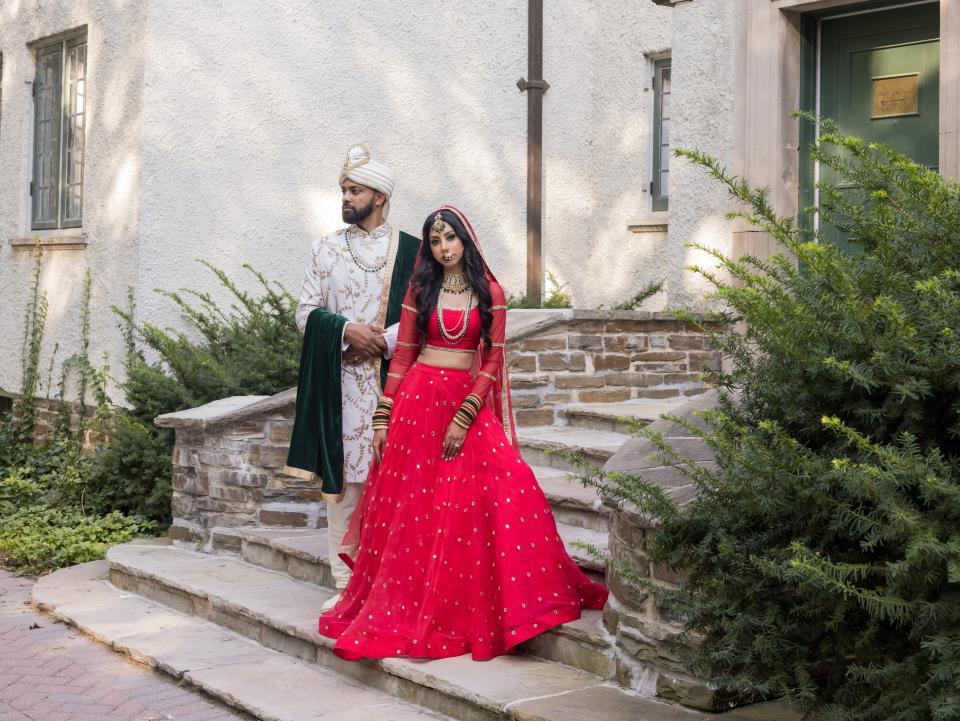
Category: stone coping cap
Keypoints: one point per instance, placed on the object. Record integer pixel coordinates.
(226, 410)
(521, 323)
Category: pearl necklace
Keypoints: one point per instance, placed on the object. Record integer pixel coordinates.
(450, 337)
(360, 264)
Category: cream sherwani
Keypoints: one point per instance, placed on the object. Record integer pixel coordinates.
(335, 281)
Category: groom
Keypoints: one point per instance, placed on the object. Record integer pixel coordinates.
(348, 311)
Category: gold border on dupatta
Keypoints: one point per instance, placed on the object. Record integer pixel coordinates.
(387, 283)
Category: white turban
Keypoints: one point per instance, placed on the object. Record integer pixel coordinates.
(364, 170)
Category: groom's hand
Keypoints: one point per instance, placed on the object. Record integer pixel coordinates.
(366, 342)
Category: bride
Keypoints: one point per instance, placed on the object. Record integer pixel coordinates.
(456, 549)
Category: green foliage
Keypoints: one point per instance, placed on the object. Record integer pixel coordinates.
(824, 548)
(251, 347)
(557, 296)
(649, 290)
(44, 523)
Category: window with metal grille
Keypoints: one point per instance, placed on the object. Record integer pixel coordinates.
(59, 112)
(660, 186)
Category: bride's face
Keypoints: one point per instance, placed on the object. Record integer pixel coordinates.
(447, 249)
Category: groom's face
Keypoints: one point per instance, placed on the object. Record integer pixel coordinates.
(358, 201)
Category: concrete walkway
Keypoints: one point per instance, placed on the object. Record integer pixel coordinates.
(51, 672)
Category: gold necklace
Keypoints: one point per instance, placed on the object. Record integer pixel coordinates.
(455, 283)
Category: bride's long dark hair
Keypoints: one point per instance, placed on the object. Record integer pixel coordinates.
(428, 277)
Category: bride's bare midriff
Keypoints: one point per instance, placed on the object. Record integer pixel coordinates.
(445, 358)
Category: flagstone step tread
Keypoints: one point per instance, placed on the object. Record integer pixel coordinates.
(290, 606)
(584, 441)
(272, 686)
(640, 409)
(310, 544)
(264, 683)
(562, 490)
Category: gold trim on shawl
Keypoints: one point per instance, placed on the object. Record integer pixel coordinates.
(385, 292)
(408, 307)
(301, 473)
(306, 475)
(487, 375)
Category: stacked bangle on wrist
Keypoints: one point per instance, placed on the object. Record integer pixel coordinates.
(468, 410)
(381, 416)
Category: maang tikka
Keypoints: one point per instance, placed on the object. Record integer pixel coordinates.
(438, 223)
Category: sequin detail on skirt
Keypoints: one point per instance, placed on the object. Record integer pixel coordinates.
(458, 556)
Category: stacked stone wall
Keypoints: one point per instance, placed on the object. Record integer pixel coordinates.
(607, 357)
(228, 472)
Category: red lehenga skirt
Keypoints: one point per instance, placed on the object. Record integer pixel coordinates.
(454, 557)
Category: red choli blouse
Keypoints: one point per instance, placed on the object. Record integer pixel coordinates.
(408, 342)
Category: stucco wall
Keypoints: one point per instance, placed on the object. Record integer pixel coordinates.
(216, 132)
(703, 118)
(111, 202)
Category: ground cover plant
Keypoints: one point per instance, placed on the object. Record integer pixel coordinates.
(45, 520)
(103, 477)
(823, 553)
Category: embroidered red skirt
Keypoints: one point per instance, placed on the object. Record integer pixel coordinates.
(455, 557)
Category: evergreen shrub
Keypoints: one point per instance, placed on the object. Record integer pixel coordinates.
(823, 553)
(44, 521)
(251, 347)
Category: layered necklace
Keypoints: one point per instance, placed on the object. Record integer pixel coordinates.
(456, 284)
(365, 267)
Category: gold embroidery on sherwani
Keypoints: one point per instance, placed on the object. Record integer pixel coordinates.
(336, 283)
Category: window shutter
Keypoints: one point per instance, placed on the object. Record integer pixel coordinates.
(74, 126)
(661, 134)
(48, 115)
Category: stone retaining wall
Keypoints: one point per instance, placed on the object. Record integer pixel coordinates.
(227, 470)
(229, 454)
(642, 627)
(597, 356)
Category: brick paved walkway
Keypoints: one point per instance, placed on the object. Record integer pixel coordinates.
(51, 672)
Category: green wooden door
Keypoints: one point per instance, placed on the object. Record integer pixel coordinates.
(879, 79)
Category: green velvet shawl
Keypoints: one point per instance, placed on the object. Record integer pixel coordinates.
(316, 446)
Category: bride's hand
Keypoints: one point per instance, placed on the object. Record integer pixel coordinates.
(379, 441)
(453, 441)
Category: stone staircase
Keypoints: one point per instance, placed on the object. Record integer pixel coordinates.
(230, 605)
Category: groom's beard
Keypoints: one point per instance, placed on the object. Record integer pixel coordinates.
(355, 216)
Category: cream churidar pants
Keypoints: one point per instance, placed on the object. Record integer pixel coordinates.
(338, 518)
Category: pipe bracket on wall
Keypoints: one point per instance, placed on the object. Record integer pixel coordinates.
(525, 85)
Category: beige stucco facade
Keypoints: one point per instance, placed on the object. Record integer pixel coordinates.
(217, 134)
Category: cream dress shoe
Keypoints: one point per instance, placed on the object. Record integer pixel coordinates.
(331, 602)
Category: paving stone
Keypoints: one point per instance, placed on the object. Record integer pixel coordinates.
(242, 673)
(600, 703)
(495, 683)
(288, 690)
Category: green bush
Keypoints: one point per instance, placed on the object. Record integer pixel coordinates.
(824, 551)
(45, 522)
(250, 348)
(557, 296)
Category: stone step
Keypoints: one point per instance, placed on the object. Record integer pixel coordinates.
(572, 503)
(281, 613)
(594, 447)
(227, 666)
(302, 554)
(610, 416)
(288, 676)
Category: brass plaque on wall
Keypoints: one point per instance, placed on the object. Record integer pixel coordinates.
(895, 95)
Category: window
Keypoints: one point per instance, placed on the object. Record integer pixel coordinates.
(660, 186)
(59, 107)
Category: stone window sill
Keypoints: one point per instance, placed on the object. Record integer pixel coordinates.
(655, 222)
(67, 239)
